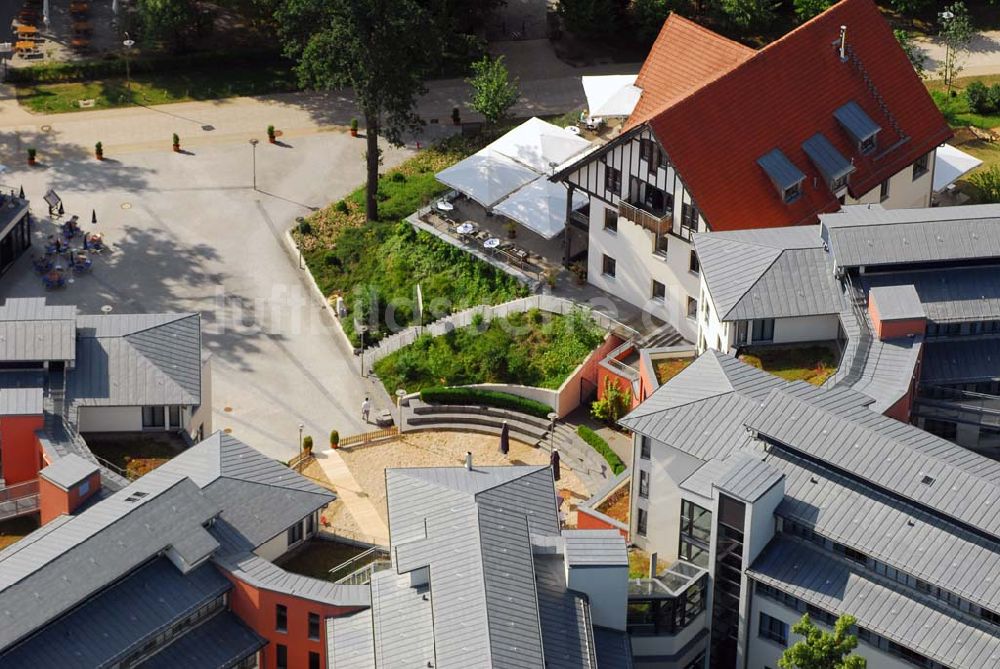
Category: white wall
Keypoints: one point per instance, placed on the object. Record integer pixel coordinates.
(607, 590)
(110, 419)
(277, 546)
(904, 191)
(667, 467)
(806, 328)
(202, 416)
(711, 331)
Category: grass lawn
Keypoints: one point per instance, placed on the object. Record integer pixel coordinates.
(812, 364)
(669, 368)
(617, 505)
(638, 564)
(135, 454)
(319, 556)
(158, 88)
(377, 266)
(16, 529)
(532, 349)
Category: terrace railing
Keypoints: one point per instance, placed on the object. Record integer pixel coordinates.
(359, 569)
(657, 224)
(19, 499)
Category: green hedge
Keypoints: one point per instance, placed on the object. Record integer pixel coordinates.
(601, 446)
(491, 398)
(113, 65)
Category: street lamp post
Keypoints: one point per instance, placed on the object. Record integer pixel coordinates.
(552, 428)
(301, 427)
(362, 329)
(129, 43)
(400, 394)
(253, 145)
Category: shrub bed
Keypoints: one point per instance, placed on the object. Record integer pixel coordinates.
(601, 446)
(491, 398)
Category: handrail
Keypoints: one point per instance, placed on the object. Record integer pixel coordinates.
(645, 219)
(372, 555)
(19, 490)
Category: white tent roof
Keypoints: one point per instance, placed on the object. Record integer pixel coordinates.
(540, 206)
(950, 165)
(487, 176)
(611, 95)
(537, 144)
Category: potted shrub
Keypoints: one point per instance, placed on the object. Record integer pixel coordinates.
(354, 127)
(511, 228)
(307, 446)
(334, 439)
(580, 272)
(32, 154)
(270, 134)
(177, 143)
(456, 118)
(99, 151)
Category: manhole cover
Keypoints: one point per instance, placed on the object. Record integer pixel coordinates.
(208, 128)
(228, 409)
(126, 205)
(107, 309)
(46, 128)
(228, 430)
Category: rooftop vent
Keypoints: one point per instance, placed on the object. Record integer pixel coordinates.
(468, 460)
(785, 176)
(926, 478)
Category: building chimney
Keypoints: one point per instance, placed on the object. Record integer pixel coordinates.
(468, 460)
(843, 42)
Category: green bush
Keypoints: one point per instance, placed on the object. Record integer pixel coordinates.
(601, 446)
(334, 438)
(978, 96)
(307, 444)
(988, 184)
(340, 207)
(993, 98)
(492, 398)
(614, 403)
(305, 227)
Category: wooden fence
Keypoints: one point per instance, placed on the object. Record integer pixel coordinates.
(369, 437)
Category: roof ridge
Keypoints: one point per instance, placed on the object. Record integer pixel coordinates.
(482, 573)
(534, 470)
(757, 280)
(176, 317)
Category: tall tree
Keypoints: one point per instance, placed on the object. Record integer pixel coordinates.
(382, 49)
(806, 9)
(493, 91)
(748, 14)
(916, 55)
(956, 33)
(823, 650)
(166, 21)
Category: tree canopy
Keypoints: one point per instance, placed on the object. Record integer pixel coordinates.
(823, 650)
(494, 93)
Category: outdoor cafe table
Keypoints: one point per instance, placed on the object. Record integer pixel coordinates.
(444, 205)
(27, 30)
(24, 45)
(491, 243)
(465, 229)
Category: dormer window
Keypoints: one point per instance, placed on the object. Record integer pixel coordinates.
(834, 167)
(785, 176)
(859, 125)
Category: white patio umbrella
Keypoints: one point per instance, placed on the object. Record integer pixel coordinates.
(538, 144)
(950, 165)
(487, 176)
(540, 206)
(611, 95)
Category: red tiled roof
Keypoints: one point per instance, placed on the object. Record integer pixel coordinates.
(683, 58)
(781, 96)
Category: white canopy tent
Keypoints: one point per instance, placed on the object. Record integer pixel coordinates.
(541, 206)
(611, 95)
(950, 165)
(487, 176)
(538, 145)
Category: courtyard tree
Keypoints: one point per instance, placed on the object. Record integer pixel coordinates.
(382, 49)
(493, 91)
(166, 21)
(956, 33)
(591, 18)
(748, 14)
(806, 9)
(916, 55)
(823, 650)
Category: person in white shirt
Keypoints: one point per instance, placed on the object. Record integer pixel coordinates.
(366, 408)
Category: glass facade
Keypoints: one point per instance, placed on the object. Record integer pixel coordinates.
(728, 572)
(665, 605)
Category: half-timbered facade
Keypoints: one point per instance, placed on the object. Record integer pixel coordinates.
(727, 138)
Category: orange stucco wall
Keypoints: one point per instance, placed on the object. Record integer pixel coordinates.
(20, 452)
(54, 501)
(256, 607)
(585, 521)
(896, 328)
(902, 408)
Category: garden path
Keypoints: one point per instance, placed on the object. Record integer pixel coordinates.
(354, 497)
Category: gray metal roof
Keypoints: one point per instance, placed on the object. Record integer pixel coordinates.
(21, 401)
(748, 477)
(110, 626)
(349, 641)
(871, 236)
(733, 262)
(955, 295)
(121, 366)
(567, 634)
(66, 472)
(958, 487)
(895, 303)
(889, 368)
(703, 478)
(604, 548)
(961, 361)
(828, 160)
(220, 642)
(829, 583)
(400, 623)
(799, 283)
(782, 172)
(856, 121)
(31, 330)
(43, 576)
(892, 531)
(12, 212)
(34, 309)
(614, 648)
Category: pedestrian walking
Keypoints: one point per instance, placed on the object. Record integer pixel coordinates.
(366, 408)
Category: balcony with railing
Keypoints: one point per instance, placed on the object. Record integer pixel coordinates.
(19, 499)
(657, 223)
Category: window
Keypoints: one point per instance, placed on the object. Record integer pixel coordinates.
(763, 329)
(640, 525)
(792, 193)
(281, 617)
(311, 525)
(643, 484)
(692, 308)
(152, 416)
(660, 244)
(868, 145)
(282, 656)
(608, 266)
(920, 166)
(696, 522)
(693, 264)
(611, 220)
(659, 291)
(644, 447)
(741, 332)
(613, 180)
(84, 489)
(175, 417)
(772, 629)
(838, 183)
(689, 220)
(314, 626)
(883, 191)
(313, 660)
(295, 533)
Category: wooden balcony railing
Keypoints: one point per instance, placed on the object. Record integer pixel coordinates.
(19, 499)
(649, 221)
